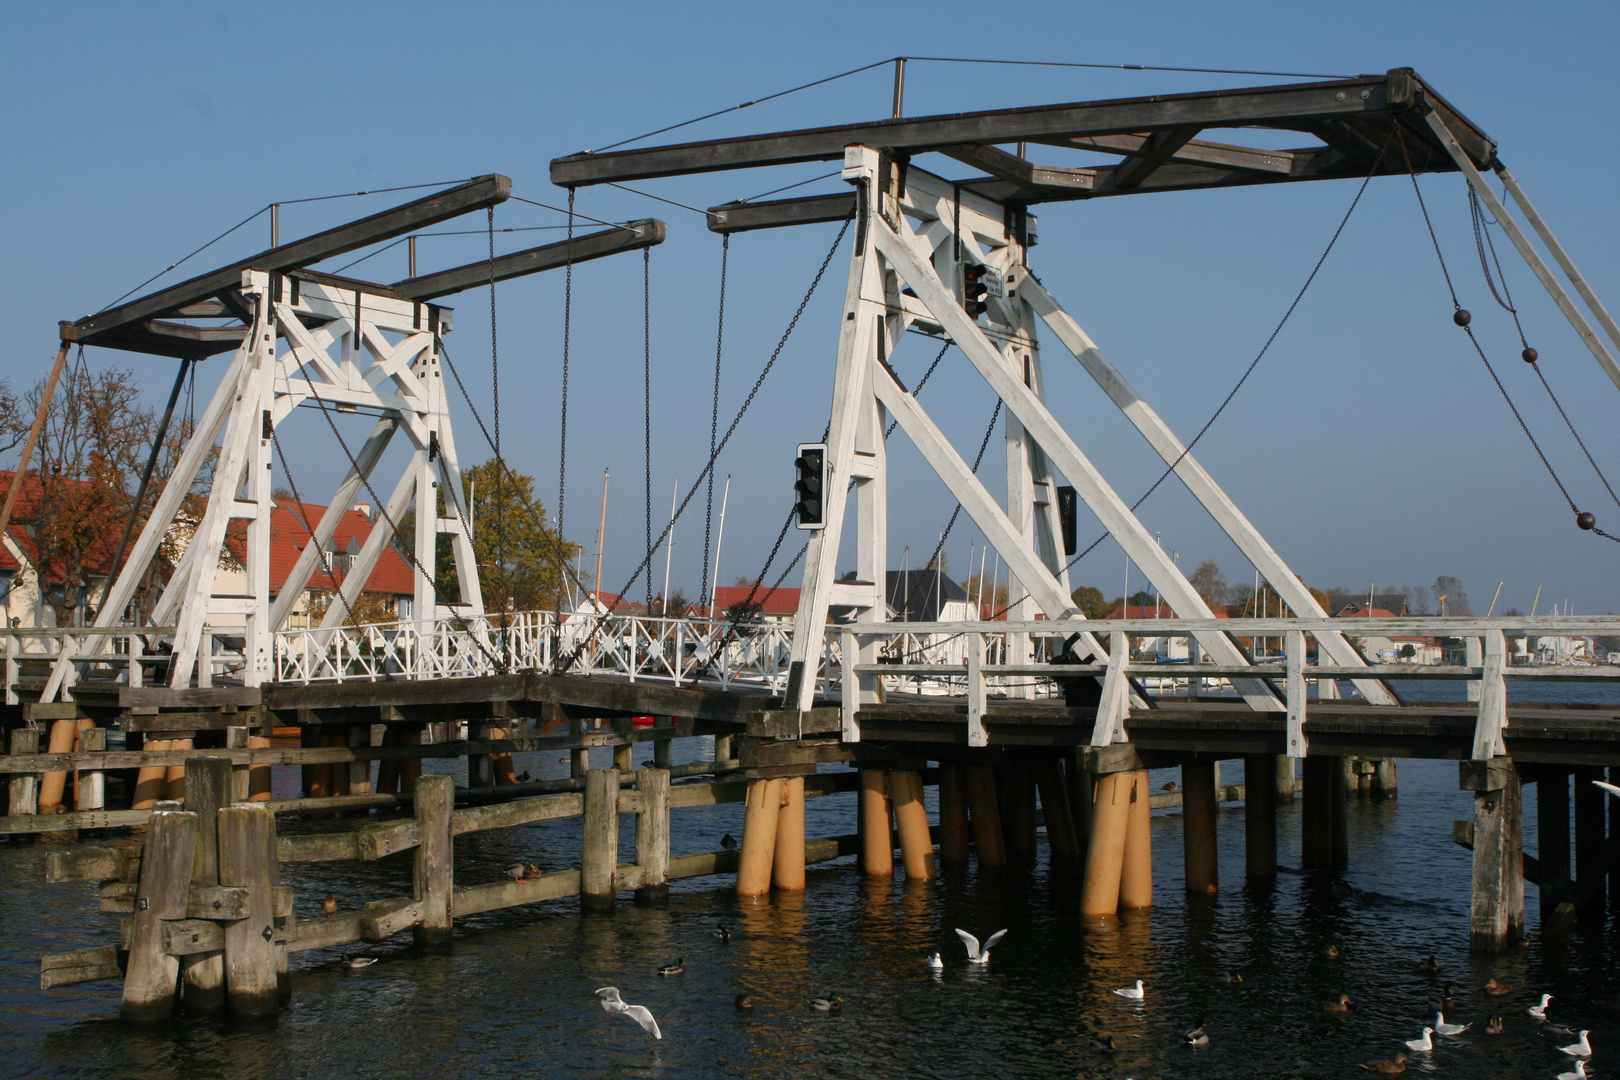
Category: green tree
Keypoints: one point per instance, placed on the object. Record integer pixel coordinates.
(523, 564)
(1407, 651)
(1208, 581)
(1091, 602)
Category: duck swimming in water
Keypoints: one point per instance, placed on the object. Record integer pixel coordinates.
(1103, 1044)
(832, 1003)
(1197, 1036)
(722, 932)
(355, 963)
(677, 968)
(1497, 989)
(1429, 966)
(743, 1002)
(1338, 1004)
(1387, 1068)
(1493, 1026)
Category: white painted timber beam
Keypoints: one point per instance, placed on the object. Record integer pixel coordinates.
(1232, 521)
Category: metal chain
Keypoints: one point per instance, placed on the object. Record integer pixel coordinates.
(922, 382)
(978, 458)
(1463, 321)
(565, 663)
(714, 410)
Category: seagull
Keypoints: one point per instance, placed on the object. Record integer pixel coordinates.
(1578, 1074)
(1540, 1011)
(1612, 789)
(1424, 1043)
(355, 963)
(1444, 1028)
(935, 962)
(613, 1003)
(976, 954)
(1198, 1036)
(1132, 993)
(728, 842)
(1580, 1048)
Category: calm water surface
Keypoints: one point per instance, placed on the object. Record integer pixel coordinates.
(512, 997)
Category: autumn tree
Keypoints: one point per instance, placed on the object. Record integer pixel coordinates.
(523, 565)
(1208, 581)
(1091, 602)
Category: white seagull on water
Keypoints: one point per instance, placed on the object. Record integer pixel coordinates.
(1580, 1048)
(1132, 993)
(1578, 1074)
(1444, 1028)
(936, 963)
(1540, 1011)
(1612, 789)
(977, 954)
(1424, 1043)
(613, 1003)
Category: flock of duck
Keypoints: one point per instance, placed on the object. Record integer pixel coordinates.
(614, 1004)
(1579, 1051)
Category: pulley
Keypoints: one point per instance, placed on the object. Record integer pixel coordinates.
(1585, 521)
(1529, 355)
(1461, 317)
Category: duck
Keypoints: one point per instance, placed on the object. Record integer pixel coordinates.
(677, 968)
(329, 905)
(1557, 1031)
(1422, 1042)
(613, 1004)
(1132, 993)
(728, 842)
(1540, 1011)
(743, 1002)
(722, 931)
(935, 962)
(522, 777)
(1231, 978)
(1429, 966)
(1578, 1074)
(1387, 1068)
(1444, 1028)
(1446, 1000)
(524, 871)
(1197, 1036)
(832, 1003)
(1338, 1004)
(355, 963)
(1493, 1026)
(1581, 1047)
(1103, 1044)
(1497, 989)
(978, 954)
(1331, 952)
(1171, 786)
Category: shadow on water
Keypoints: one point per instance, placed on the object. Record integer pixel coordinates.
(514, 996)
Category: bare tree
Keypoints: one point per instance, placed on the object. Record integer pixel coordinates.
(1451, 591)
(1210, 583)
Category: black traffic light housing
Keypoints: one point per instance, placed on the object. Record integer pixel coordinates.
(810, 488)
(975, 287)
(1068, 508)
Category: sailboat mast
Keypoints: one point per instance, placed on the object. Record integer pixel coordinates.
(601, 528)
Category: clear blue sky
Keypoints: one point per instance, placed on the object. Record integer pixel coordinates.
(1369, 446)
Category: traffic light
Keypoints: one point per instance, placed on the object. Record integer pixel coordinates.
(1068, 508)
(975, 287)
(811, 464)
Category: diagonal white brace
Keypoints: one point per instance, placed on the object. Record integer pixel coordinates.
(1115, 703)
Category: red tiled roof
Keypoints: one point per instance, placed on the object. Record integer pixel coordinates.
(783, 601)
(289, 537)
(1367, 613)
(615, 602)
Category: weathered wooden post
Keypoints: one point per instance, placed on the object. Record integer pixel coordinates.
(579, 761)
(435, 858)
(1552, 836)
(89, 785)
(1287, 783)
(359, 779)
(1018, 812)
(1385, 782)
(247, 861)
(723, 754)
(480, 769)
(151, 974)
(1199, 808)
(916, 845)
(600, 857)
(981, 793)
(652, 836)
(787, 861)
(1105, 852)
(208, 781)
(661, 746)
(1136, 872)
(1260, 817)
(1060, 837)
(624, 753)
(236, 738)
(1496, 917)
(1590, 838)
(24, 787)
(1323, 815)
(410, 769)
(953, 819)
(754, 864)
(877, 837)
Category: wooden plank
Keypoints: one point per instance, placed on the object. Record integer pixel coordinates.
(521, 812)
(475, 194)
(151, 975)
(193, 937)
(643, 233)
(94, 863)
(382, 919)
(601, 840)
(331, 933)
(288, 697)
(247, 849)
(652, 835)
(79, 966)
(776, 213)
(473, 899)
(187, 697)
(434, 869)
(220, 902)
(792, 724)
